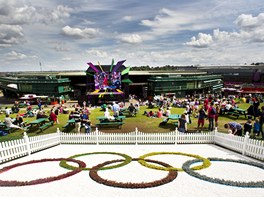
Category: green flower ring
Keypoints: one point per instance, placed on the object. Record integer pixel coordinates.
(42, 180)
(127, 160)
(143, 161)
(169, 178)
(251, 184)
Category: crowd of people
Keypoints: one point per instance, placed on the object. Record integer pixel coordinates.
(205, 108)
(209, 108)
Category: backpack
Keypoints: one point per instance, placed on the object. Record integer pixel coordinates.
(213, 111)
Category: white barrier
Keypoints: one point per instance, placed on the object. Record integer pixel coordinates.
(17, 148)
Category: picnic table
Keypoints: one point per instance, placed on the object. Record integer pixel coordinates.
(2, 125)
(241, 111)
(70, 122)
(105, 121)
(37, 122)
(41, 123)
(172, 117)
(236, 112)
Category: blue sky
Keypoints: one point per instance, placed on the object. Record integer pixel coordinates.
(65, 35)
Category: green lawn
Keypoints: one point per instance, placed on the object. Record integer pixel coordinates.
(142, 122)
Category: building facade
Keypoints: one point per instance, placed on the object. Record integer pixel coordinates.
(180, 86)
(41, 85)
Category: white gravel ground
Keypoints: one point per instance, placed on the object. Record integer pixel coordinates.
(81, 185)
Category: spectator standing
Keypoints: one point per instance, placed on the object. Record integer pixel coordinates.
(116, 109)
(256, 128)
(250, 112)
(77, 117)
(182, 123)
(261, 121)
(39, 105)
(248, 127)
(235, 127)
(218, 109)
(256, 104)
(211, 116)
(201, 117)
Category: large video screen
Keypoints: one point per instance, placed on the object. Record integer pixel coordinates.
(106, 80)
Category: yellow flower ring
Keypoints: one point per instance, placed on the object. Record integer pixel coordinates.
(143, 162)
(127, 160)
(169, 178)
(42, 180)
(250, 184)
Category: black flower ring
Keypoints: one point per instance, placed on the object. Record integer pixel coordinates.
(252, 184)
(172, 174)
(127, 160)
(42, 180)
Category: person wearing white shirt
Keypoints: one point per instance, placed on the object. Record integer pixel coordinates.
(9, 123)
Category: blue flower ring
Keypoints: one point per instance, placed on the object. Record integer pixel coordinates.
(127, 160)
(251, 184)
(172, 174)
(42, 180)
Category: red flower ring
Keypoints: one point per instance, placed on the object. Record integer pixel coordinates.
(42, 180)
(172, 174)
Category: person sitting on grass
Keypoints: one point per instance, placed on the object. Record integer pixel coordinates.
(131, 109)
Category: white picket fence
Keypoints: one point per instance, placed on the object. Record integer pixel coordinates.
(18, 148)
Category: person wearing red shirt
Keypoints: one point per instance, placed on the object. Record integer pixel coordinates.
(211, 116)
(53, 117)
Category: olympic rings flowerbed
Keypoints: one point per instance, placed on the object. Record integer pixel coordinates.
(117, 170)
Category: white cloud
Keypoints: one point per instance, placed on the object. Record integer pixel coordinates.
(60, 46)
(248, 21)
(13, 55)
(130, 38)
(11, 13)
(78, 33)
(250, 29)
(10, 34)
(61, 12)
(97, 53)
(202, 40)
(173, 21)
(127, 18)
